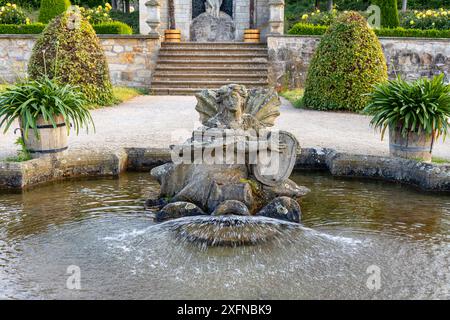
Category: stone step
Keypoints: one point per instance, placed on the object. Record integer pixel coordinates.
(215, 50)
(199, 76)
(188, 67)
(230, 79)
(181, 91)
(211, 69)
(203, 83)
(213, 56)
(174, 91)
(212, 45)
(218, 63)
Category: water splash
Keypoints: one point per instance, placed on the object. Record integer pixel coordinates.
(230, 230)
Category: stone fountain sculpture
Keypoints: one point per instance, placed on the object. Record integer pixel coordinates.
(233, 164)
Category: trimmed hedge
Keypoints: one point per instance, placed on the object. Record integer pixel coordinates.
(51, 8)
(401, 32)
(32, 28)
(304, 29)
(309, 29)
(36, 28)
(115, 27)
(347, 63)
(389, 13)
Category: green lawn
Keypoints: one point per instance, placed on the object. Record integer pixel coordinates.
(123, 94)
(439, 160)
(294, 96)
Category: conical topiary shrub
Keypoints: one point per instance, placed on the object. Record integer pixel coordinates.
(347, 63)
(69, 49)
(51, 8)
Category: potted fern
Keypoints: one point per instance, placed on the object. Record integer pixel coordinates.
(45, 111)
(416, 114)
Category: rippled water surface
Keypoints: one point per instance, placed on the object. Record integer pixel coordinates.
(348, 226)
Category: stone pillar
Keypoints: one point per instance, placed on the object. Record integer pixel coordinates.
(153, 16)
(276, 19)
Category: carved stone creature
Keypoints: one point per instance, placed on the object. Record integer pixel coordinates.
(220, 187)
(233, 106)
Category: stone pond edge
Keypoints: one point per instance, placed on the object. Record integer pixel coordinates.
(22, 175)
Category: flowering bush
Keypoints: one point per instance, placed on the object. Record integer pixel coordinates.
(426, 19)
(97, 15)
(319, 18)
(11, 14)
(326, 18)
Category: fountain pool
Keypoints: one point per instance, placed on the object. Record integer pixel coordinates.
(347, 227)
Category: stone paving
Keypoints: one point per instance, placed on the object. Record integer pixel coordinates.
(158, 121)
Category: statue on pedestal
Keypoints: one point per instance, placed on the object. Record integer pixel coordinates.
(213, 7)
(213, 24)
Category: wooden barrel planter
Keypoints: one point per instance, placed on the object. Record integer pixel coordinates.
(51, 140)
(172, 35)
(251, 35)
(413, 146)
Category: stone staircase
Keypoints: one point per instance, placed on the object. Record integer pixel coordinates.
(188, 67)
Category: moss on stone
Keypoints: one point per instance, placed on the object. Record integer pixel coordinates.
(69, 50)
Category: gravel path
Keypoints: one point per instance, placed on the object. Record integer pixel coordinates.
(158, 121)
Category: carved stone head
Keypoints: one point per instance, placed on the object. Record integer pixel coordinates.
(233, 106)
(231, 100)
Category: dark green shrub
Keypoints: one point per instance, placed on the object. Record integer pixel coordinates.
(131, 19)
(69, 49)
(51, 8)
(115, 27)
(427, 4)
(356, 5)
(389, 13)
(32, 28)
(347, 63)
(90, 3)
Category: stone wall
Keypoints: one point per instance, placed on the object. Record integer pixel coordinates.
(289, 58)
(183, 15)
(131, 59)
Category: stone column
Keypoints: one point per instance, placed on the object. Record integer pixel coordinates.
(154, 16)
(276, 18)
